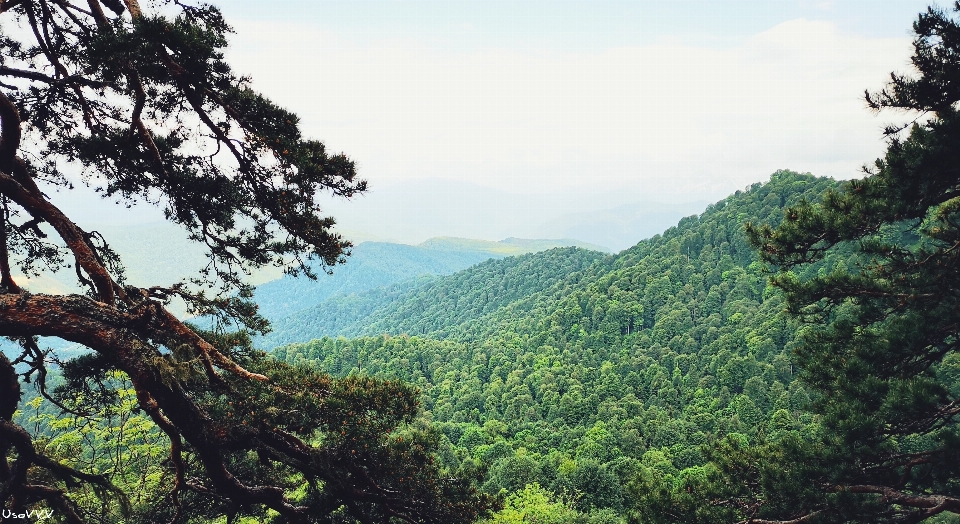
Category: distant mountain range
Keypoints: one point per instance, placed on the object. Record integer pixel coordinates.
(417, 210)
(620, 227)
(427, 303)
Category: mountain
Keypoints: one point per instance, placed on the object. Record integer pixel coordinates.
(506, 247)
(370, 265)
(598, 385)
(602, 379)
(372, 275)
(486, 295)
(160, 252)
(420, 209)
(431, 301)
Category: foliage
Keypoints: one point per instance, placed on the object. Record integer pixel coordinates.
(608, 381)
(881, 349)
(140, 101)
(533, 505)
(428, 305)
(119, 442)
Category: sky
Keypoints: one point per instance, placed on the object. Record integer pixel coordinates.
(662, 99)
(576, 106)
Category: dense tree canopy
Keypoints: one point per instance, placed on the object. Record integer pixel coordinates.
(604, 383)
(140, 103)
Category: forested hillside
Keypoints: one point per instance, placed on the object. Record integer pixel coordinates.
(570, 385)
(432, 303)
(371, 265)
(375, 275)
(598, 383)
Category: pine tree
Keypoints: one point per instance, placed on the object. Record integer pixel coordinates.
(142, 103)
(880, 348)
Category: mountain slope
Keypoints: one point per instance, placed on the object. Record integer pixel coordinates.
(375, 274)
(488, 299)
(371, 265)
(430, 303)
(604, 383)
(641, 287)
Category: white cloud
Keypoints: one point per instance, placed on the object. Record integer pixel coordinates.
(659, 120)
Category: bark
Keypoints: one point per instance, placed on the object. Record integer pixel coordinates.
(9, 388)
(931, 504)
(17, 185)
(9, 398)
(9, 133)
(800, 520)
(926, 506)
(123, 337)
(7, 283)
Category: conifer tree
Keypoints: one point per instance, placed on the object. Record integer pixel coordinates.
(140, 100)
(880, 348)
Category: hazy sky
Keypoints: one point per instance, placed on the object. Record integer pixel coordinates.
(664, 100)
(571, 114)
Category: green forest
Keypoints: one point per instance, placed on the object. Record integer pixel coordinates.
(565, 382)
(569, 385)
(789, 356)
(584, 378)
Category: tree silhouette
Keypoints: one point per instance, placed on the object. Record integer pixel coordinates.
(141, 102)
(881, 350)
